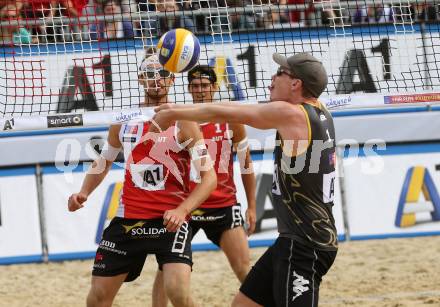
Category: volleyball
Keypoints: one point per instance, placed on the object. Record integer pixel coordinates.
(179, 50)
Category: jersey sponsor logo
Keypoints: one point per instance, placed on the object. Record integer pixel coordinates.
(276, 182)
(322, 117)
(180, 239)
(99, 257)
(132, 130)
(110, 246)
(208, 218)
(138, 229)
(328, 187)
(66, 120)
(236, 217)
(130, 134)
(148, 231)
(130, 227)
(299, 285)
(99, 266)
(107, 244)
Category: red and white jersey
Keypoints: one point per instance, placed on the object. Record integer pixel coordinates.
(156, 172)
(219, 142)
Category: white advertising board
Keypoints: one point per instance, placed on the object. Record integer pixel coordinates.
(20, 235)
(381, 190)
(73, 235)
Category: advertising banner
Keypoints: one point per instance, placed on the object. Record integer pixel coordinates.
(98, 79)
(75, 235)
(394, 194)
(20, 235)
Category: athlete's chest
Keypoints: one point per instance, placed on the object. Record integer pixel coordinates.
(216, 132)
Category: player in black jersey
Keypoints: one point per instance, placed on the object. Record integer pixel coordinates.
(290, 272)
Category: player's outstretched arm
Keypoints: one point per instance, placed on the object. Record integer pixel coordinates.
(190, 133)
(272, 115)
(241, 145)
(98, 170)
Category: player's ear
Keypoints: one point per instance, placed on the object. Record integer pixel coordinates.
(296, 83)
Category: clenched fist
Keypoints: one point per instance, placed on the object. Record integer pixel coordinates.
(76, 201)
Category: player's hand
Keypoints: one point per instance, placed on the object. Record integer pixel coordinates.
(251, 220)
(165, 106)
(76, 201)
(173, 219)
(161, 121)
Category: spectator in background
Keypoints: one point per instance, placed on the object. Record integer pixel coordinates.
(240, 20)
(423, 12)
(53, 11)
(296, 15)
(384, 14)
(158, 25)
(170, 20)
(12, 34)
(111, 28)
(269, 19)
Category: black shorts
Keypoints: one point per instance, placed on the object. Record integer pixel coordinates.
(214, 221)
(288, 274)
(126, 243)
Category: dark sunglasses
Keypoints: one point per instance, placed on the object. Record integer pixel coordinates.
(156, 74)
(281, 71)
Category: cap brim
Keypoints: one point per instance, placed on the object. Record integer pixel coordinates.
(280, 60)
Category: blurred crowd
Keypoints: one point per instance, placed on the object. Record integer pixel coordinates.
(46, 21)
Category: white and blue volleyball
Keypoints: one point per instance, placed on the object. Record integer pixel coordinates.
(179, 50)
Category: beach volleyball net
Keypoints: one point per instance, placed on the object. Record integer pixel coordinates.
(82, 58)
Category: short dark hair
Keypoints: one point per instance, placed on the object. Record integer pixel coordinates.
(149, 51)
(202, 71)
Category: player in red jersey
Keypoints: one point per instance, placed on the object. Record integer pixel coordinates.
(156, 199)
(220, 215)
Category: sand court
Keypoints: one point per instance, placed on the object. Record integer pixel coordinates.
(385, 273)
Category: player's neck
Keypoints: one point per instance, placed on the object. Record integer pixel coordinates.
(153, 102)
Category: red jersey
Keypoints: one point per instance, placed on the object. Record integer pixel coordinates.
(156, 172)
(219, 143)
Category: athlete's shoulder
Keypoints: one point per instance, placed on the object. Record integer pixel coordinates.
(286, 110)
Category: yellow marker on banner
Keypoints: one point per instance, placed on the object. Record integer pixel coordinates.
(220, 69)
(114, 202)
(417, 181)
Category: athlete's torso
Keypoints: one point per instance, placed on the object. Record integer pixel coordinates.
(303, 188)
(218, 140)
(156, 172)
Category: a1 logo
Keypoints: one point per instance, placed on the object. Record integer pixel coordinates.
(9, 124)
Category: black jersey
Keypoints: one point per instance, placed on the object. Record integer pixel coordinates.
(304, 185)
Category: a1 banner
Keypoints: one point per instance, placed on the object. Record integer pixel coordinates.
(395, 193)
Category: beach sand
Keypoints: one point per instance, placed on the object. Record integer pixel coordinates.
(379, 273)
